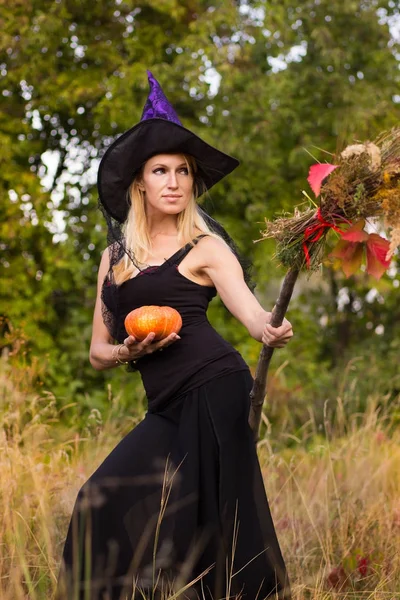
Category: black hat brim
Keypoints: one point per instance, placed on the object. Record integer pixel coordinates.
(126, 155)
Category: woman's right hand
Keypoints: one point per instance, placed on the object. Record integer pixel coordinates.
(135, 349)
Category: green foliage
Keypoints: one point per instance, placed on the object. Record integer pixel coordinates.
(294, 76)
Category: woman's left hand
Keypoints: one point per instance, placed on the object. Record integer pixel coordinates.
(277, 337)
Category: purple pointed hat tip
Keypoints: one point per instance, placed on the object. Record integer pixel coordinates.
(157, 105)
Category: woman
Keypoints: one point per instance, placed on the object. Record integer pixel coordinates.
(181, 497)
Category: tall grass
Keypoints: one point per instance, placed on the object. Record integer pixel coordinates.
(334, 494)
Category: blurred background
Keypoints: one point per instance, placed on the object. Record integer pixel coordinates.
(277, 84)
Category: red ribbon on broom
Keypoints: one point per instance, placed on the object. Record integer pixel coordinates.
(314, 232)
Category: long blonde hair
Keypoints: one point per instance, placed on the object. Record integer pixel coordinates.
(136, 231)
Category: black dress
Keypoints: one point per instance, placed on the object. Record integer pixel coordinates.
(182, 494)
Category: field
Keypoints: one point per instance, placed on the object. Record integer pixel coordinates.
(334, 494)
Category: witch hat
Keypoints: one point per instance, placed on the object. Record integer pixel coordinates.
(159, 131)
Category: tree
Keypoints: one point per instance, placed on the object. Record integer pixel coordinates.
(262, 80)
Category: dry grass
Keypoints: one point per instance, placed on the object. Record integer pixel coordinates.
(335, 499)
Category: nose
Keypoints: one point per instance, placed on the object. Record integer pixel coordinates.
(172, 181)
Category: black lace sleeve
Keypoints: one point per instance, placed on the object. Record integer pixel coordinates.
(110, 309)
(109, 305)
(110, 312)
(109, 294)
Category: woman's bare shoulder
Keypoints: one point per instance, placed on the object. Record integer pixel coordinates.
(212, 248)
(210, 243)
(209, 253)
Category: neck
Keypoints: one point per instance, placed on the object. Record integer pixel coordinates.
(162, 225)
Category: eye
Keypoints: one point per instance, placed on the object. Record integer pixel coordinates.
(184, 170)
(159, 170)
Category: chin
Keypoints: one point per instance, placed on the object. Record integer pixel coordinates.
(173, 210)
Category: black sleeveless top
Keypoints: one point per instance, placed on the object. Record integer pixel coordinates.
(200, 355)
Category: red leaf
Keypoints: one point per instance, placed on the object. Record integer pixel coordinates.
(356, 233)
(317, 174)
(350, 254)
(337, 578)
(362, 565)
(353, 263)
(377, 249)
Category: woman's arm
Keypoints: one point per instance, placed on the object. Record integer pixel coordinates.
(102, 353)
(224, 270)
(102, 344)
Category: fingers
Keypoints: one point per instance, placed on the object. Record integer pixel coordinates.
(274, 344)
(277, 337)
(148, 346)
(147, 340)
(284, 329)
(166, 341)
(130, 341)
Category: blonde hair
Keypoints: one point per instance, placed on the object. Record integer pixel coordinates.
(136, 231)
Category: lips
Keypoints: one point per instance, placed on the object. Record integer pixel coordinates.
(172, 198)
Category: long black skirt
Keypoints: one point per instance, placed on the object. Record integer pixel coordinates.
(181, 498)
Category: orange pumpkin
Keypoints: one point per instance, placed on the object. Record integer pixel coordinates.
(162, 320)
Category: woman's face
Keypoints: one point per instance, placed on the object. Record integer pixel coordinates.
(167, 183)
